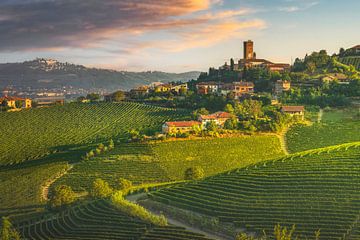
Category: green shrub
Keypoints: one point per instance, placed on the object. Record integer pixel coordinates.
(124, 184)
(194, 173)
(101, 189)
(136, 211)
(63, 195)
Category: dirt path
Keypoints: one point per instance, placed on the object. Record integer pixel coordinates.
(282, 138)
(45, 187)
(135, 197)
(320, 115)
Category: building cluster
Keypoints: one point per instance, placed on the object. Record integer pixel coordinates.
(236, 88)
(188, 126)
(250, 61)
(158, 88)
(219, 118)
(15, 102)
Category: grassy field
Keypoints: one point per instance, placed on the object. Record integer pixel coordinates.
(63, 132)
(337, 126)
(167, 161)
(313, 190)
(98, 220)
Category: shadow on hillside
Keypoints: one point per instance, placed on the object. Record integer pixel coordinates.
(65, 153)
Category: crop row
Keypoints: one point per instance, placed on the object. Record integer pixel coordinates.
(314, 190)
(98, 220)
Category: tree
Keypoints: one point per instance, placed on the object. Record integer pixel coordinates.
(118, 96)
(93, 97)
(111, 144)
(124, 184)
(232, 64)
(231, 124)
(229, 108)
(202, 111)
(18, 104)
(81, 99)
(101, 189)
(211, 126)
(7, 230)
(194, 173)
(63, 195)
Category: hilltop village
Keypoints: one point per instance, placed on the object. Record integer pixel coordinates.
(252, 94)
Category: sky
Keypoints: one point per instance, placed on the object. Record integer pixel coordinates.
(173, 35)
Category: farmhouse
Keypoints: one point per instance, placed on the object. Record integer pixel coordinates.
(16, 102)
(281, 86)
(219, 118)
(48, 101)
(139, 92)
(294, 111)
(179, 126)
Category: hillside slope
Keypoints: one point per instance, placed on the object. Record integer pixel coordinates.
(62, 132)
(351, 60)
(48, 73)
(317, 189)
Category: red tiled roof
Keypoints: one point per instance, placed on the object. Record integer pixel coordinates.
(292, 108)
(256, 60)
(207, 83)
(356, 47)
(217, 115)
(244, 84)
(11, 99)
(183, 123)
(284, 65)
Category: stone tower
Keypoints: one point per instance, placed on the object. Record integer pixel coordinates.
(248, 49)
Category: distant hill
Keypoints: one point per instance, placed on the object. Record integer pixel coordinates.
(51, 73)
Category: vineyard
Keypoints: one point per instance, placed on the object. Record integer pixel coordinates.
(316, 189)
(98, 220)
(65, 132)
(355, 61)
(167, 161)
(20, 188)
(336, 127)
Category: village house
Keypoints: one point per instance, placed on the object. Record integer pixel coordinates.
(207, 87)
(162, 88)
(14, 102)
(294, 111)
(49, 101)
(179, 88)
(139, 92)
(281, 86)
(179, 126)
(219, 118)
(237, 88)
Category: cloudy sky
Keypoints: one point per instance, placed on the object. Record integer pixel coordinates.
(172, 35)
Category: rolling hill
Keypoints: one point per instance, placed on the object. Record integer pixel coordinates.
(47, 73)
(316, 189)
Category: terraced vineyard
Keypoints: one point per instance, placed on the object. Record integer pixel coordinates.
(20, 188)
(35, 133)
(99, 220)
(336, 127)
(316, 189)
(167, 161)
(355, 61)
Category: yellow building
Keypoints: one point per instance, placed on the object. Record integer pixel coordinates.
(180, 126)
(14, 102)
(162, 88)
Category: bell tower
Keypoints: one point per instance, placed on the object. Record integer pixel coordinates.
(249, 49)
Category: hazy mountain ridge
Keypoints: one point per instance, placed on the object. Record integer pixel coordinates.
(51, 73)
